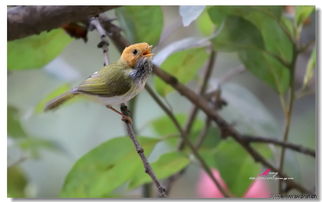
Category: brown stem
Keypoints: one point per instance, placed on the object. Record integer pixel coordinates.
(295, 147)
(202, 90)
(221, 123)
(187, 141)
(203, 133)
(103, 43)
(288, 113)
(140, 151)
(24, 21)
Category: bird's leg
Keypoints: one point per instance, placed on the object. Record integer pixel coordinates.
(125, 118)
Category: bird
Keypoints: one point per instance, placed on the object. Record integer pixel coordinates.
(115, 83)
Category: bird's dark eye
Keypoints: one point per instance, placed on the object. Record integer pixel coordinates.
(135, 51)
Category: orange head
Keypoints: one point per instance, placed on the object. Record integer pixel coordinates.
(134, 52)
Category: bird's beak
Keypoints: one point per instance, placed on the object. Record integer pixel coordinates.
(148, 53)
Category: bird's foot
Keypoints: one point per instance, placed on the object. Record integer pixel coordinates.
(127, 119)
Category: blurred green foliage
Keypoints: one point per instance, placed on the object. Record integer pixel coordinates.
(58, 91)
(310, 68)
(16, 182)
(141, 23)
(171, 130)
(14, 127)
(184, 65)
(37, 50)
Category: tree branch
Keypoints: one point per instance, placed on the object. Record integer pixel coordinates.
(103, 43)
(226, 129)
(192, 117)
(203, 133)
(187, 141)
(288, 111)
(24, 21)
(202, 90)
(295, 147)
(140, 151)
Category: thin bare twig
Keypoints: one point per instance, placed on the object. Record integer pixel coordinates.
(295, 147)
(203, 133)
(140, 151)
(187, 141)
(193, 115)
(288, 112)
(103, 43)
(202, 90)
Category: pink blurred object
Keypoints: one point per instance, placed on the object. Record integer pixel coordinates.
(258, 189)
(207, 189)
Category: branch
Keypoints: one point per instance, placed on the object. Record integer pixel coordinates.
(187, 141)
(103, 43)
(203, 133)
(288, 111)
(114, 32)
(201, 103)
(226, 129)
(193, 116)
(24, 21)
(295, 147)
(140, 151)
(202, 90)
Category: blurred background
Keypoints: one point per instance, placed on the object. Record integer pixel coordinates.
(58, 139)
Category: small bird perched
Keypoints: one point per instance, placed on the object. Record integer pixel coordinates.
(115, 83)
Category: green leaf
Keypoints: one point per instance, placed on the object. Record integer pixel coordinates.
(302, 13)
(254, 32)
(275, 39)
(16, 182)
(235, 166)
(37, 50)
(15, 128)
(164, 167)
(58, 91)
(237, 34)
(170, 129)
(184, 65)
(34, 144)
(204, 24)
(190, 13)
(105, 168)
(267, 68)
(141, 23)
(310, 68)
(289, 25)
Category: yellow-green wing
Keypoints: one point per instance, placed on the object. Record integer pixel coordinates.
(111, 80)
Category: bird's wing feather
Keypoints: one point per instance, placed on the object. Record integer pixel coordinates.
(107, 82)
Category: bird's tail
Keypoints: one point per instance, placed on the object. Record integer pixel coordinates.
(57, 101)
